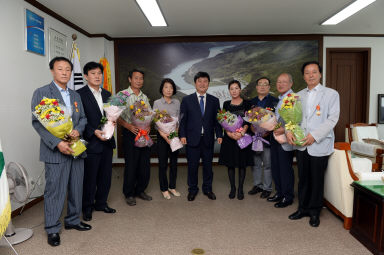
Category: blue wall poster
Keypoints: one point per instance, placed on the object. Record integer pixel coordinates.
(34, 32)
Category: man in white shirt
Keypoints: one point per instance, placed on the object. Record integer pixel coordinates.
(321, 110)
(137, 160)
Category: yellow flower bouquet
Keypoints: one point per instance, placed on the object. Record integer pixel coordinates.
(55, 118)
(291, 112)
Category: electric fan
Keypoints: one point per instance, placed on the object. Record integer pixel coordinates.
(19, 191)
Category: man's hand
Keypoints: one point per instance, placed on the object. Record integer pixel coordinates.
(74, 134)
(133, 128)
(308, 140)
(279, 131)
(64, 148)
(290, 138)
(219, 140)
(99, 134)
(183, 140)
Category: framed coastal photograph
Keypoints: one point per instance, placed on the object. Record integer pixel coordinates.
(380, 110)
(57, 44)
(34, 33)
(244, 58)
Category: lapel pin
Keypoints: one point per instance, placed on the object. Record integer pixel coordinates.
(77, 109)
(318, 110)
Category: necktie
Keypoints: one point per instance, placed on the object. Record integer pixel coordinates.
(202, 105)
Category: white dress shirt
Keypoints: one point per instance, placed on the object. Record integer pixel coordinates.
(98, 97)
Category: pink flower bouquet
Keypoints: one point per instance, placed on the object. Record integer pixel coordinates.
(167, 124)
(141, 117)
(113, 109)
(263, 121)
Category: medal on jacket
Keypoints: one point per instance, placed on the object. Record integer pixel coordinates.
(77, 109)
(318, 110)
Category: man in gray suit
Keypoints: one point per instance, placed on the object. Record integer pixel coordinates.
(321, 110)
(62, 171)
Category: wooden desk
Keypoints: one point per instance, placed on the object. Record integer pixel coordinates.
(368, 214)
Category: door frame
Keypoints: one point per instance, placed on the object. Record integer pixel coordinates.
(329, 51)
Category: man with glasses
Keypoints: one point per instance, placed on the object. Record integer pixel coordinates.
(262, 176)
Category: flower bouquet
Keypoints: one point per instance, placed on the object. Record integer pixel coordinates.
(291, 112)
(113, 109)
(263, 121)
(141, 117)
(56, 119)
(167, 124)
(232, 123)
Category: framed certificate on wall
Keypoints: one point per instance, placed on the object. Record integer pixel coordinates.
(34, 33)
(57, 44)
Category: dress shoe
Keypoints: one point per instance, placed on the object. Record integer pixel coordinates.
(80, 227)
(275, 198)
(191, 196)
(283, 203)
(240, 194)
(314, 221)
(106, 209)
(232, 193)
(255, 190)
(87, 215)
(166, 195)
(174, 192)
(297, 215)
(54, 239)
(265, 194)
(210, 195)
(144, 196)
(131, 201)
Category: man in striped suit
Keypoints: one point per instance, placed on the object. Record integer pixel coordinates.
(63, 172)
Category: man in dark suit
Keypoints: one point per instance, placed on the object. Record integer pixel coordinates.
(63, 172)
(282, 154)
(198, 126)
(98, 164)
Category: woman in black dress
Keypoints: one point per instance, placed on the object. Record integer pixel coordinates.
(230, 153)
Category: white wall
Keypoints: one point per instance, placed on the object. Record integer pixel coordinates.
(377, 66)
(22, 72)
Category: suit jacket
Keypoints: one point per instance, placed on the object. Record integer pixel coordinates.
(49, 153)
(270, 102)
(94, 115)
(192, 121)
(321, 126)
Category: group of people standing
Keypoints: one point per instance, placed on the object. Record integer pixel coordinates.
(87, 178)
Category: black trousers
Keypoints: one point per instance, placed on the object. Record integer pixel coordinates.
(137, 165)
(97, 178)
(194, 153)
(282, 171)
(311, 182)
(164, 151)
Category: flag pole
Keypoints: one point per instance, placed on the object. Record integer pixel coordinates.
(74, 37)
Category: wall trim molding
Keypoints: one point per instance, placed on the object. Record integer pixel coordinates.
(50, 12)
(27, 206)
(267, 37)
